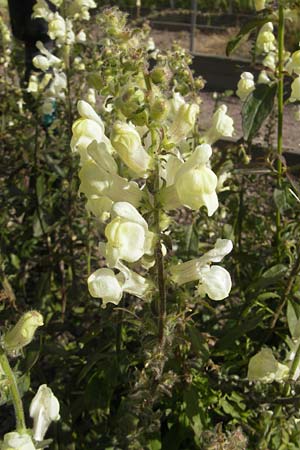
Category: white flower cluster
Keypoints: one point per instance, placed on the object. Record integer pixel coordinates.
(53, 84)
(185, 181)
(266, 45)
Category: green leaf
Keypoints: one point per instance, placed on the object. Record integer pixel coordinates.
(246, 29)
(281, 199)
(275, 272)
(293, 318)
(192, 240)
(256, 109)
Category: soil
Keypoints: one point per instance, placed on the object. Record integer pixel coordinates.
(206, 42)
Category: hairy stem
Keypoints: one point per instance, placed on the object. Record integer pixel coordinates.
(14, 391)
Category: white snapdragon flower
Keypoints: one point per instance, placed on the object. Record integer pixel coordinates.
(266, 41)
(41, 10)
(99, 178)
(128, 237)
(58, 85)
(57, 28)
(213, 280)
(270, 61)
(295, 94)
(87, 129)
(53, 60)
(182, 118)
(127, 143)
(194, 183)
(264, 367)
(103, 283)
(245, 85)
(41, 62)
(44, 409)
(17, 441)
(222, 126)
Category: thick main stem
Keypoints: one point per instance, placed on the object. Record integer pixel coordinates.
(14, 391)
(280, 111)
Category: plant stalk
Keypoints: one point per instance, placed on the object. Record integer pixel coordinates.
(280, 112)
(14, 391)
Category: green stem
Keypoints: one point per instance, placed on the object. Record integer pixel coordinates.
(159, 258)
(280, 111)
(14, 391)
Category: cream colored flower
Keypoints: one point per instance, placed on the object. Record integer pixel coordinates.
(245, 85)
(128, 237)
(213, 280)
(182, 118)
(17, 441)
(127, 143)
(194, 183)
(270, 61)
(99, 178)
(44, 409)
(57, 27)
(222, 126)
(266, 41)
(87, 129)
(264, 367)
(103, 283)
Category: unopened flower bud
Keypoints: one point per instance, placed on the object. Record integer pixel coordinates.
(159, 109)
(130, 101)
(23, 332)
(159, 75)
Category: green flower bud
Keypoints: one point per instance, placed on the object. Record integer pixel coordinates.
(131, 101)
(159, 109)
(23, 332)
(159, 75)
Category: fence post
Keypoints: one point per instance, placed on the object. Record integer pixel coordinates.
(194, 5)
